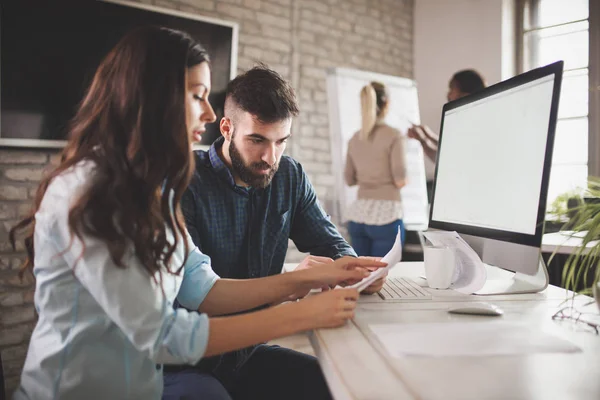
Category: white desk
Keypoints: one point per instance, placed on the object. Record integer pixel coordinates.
(562, 242)
(357, 367)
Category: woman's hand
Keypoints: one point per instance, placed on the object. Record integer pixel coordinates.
(343, 271)
(329, 309)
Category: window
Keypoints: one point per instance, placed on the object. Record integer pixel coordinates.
(560, 30)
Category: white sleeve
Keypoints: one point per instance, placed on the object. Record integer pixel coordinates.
(132, 300)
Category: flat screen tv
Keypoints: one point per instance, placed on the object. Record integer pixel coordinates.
(49, 51)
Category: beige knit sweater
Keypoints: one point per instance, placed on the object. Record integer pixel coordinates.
(376, 164)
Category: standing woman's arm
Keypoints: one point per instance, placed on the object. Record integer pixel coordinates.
(398, 161)
(350, 170)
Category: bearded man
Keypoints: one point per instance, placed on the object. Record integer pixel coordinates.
(245, 201)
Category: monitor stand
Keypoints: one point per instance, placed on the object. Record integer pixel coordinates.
(530, 273)
(518, 283)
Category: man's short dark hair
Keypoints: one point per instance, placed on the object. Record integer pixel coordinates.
(263, 93)
(468, 81)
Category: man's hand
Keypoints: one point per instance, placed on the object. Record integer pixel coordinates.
(378, 284)
(307, 263)
(313, 261)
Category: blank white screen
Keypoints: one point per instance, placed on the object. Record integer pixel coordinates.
(491, 159)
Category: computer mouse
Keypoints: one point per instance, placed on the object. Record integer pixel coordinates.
(477, 309)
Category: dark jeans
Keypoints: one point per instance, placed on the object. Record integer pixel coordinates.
(374, 240)
(270, 373)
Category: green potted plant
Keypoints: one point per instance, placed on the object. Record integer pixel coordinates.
(582, 267)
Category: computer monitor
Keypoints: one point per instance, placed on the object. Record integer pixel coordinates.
(492, 172)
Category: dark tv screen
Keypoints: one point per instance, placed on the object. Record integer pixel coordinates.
(49, 51)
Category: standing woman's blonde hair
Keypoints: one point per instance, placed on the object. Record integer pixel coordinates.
(374, 107)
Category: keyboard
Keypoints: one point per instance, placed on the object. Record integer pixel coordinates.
(402, 288)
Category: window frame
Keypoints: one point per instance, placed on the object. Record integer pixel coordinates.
(593, 72)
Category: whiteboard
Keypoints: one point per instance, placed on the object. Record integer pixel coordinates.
(343, 94)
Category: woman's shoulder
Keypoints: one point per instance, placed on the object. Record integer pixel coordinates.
(70, 182)
(389, 131)
(354, 139)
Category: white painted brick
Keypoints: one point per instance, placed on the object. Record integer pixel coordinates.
(197, 5)
(274, 57)
(313, 143)
(313, 26)
(283, 70)
(22, 157)
(253, 40)
(374, 13)
(319, 120)
(305, 155)
(307, 36)
(311, 49)
(235, 11)
(8, 211)
(304, 94)
(237, 2)
(312, 72)
(253, 4)
(315, 167)
(283, 2)
(253, 52)
(8, 192)
(307, 131)
(279, 45)
(307, 14)
(320, 96)
(11, 299)
(14, 335)
(249, 27)
(322, 132)
(276, 9)
(166, 4)
(24, 174)
(272, 20)
(17, 315)
(343, 25)
(14, 353)
(324, 157)
(326, 180)
(307, 106)
(276, 32)
(320, 190)
(316, 5)
(325, 19)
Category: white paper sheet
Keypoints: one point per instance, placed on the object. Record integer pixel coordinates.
(393, 257)
(467, 339)
(470, 274)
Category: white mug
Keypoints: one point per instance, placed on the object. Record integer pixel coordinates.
(440, 264)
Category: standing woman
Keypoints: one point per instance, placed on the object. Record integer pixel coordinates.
(109, 249)
(376, 163)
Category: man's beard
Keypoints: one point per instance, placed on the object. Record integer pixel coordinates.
(246, 173)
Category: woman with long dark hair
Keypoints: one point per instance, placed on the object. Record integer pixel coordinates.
(108, 247)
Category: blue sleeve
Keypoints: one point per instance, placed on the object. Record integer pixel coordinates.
(312, 230)
(198, 278)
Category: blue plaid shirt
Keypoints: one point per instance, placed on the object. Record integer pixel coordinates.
(245, 231)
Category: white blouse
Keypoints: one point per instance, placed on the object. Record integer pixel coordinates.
(375, 212)
(103, 331)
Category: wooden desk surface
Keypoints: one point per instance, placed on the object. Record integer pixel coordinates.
(357, 366)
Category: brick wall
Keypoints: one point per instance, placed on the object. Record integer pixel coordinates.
(298, 38)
